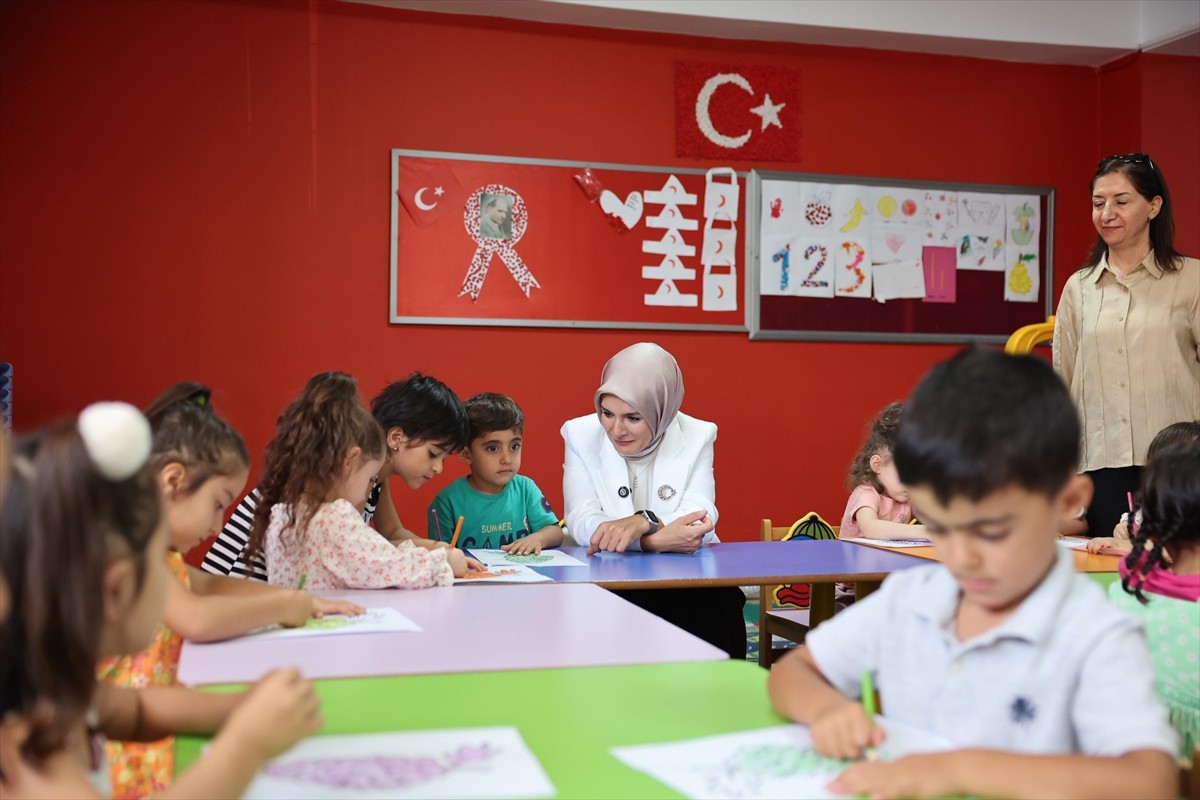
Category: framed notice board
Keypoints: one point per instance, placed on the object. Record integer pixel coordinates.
(492, 240)
(866, 259)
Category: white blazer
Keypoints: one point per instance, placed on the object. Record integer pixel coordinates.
(594, 475)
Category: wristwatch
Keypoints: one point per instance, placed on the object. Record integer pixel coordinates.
(652, 518)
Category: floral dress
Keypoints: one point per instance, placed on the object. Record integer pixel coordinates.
(142, 769)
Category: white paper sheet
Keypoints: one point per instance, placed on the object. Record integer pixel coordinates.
(777, 762)
(781, 212)
(467, 762)
(546, 558)
(853, 263)
(816, 208)
(896, 243)
(813, 261)
(899, 279)
(777, 275)
(981, 231)
(941, 218)
(1073, 543)
(897, 205)
(375, 620)
(510, 573)
(890, 542)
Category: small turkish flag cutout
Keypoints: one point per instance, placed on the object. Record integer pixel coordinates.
(749, 112)
(428, 194)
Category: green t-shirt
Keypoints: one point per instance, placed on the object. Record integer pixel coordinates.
(490, 520)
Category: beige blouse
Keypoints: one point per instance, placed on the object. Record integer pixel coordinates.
(1129, 349)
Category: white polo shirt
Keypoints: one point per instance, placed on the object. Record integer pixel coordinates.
(1066, 673)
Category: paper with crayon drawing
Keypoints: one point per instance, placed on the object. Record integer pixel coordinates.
(512, 573)
(375, 620)
(546, 558)
(467, 762)
(777, 762)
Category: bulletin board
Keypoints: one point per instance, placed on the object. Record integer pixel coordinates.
(951, 262)
(493, 240)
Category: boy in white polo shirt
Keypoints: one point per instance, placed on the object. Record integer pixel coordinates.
(1002, 649)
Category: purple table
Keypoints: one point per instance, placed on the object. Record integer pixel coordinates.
(821, 563)
(464, 629)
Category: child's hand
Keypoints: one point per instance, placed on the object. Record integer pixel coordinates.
(431, 544)
(321, 607)
(929, 775)
(461, 564)
(1099, 543)
(844, 731)
(278, 711)
(1121, 531)
(299, 609)
(527, 546)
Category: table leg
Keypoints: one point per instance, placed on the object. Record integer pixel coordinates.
(864, 588)
(821, 605)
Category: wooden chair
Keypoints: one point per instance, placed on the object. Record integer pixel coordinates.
(790, 623)
(1023, 340)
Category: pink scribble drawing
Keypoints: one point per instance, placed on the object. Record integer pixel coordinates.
(362, 773)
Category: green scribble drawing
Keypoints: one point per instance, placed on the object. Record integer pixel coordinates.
(529, 559)
(327, 623)
(745, 771)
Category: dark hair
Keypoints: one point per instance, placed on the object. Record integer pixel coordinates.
(1178, 433)
(489, 412)
(1148, 181)
(425, 409)
(1170, 507)
(188, 431)
(303, 461)
(881, 440)
(984, 420)
(61, 525)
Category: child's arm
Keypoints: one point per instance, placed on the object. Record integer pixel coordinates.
(211, 618)
(872, 527)
(798, 691)
(549, 536)
(278, 711)
(991, 773)
(55, 777)
(211, 585)
(387, 523)
(146, 715)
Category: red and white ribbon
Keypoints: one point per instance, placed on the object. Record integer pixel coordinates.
(488, 247)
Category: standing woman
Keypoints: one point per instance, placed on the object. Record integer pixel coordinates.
(1127, 334)
(638, 475)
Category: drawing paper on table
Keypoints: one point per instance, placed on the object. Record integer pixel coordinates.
(375, 620)
(546, 558)
(777, 762)
(1073, 543)
(511, 573)
(890, 542)
(465, 762)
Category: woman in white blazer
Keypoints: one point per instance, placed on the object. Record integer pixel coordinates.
(638, 475)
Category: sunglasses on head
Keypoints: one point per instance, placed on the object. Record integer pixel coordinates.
(1128, 158)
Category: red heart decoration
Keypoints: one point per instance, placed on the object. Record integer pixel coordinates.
(589, 184)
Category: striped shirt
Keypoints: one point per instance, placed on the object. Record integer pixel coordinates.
(227, 556)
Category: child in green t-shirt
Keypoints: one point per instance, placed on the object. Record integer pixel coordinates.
(500, 509)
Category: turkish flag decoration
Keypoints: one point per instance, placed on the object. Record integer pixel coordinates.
(429, 193)
(747, 112)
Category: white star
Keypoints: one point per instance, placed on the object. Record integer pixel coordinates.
(439, 191)
(769, 112)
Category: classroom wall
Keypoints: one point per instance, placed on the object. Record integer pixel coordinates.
(200, 191)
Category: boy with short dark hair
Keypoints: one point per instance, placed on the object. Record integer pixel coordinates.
(500, 508)
(1002, 649)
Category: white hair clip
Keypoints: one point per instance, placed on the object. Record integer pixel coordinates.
(117, 438)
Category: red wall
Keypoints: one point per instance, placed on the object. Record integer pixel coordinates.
(200, 191)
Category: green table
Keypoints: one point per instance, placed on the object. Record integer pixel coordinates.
(568, 717)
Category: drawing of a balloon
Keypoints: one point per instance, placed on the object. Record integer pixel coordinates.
(887, 206)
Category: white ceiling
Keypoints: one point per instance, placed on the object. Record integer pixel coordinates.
(1082, 32)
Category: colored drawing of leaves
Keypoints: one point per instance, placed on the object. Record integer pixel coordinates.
(529, 559)
(362, 773)
(745, 771)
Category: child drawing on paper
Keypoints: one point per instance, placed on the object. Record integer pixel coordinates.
(321, 467)
(200, 464)
(879, 507)
(500, 508)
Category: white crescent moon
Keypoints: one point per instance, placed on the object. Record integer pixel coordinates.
(421, 204)
(705, 121)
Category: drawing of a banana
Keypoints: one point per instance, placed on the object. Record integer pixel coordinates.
(856, 215)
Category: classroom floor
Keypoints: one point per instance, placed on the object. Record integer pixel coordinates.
(750, 613)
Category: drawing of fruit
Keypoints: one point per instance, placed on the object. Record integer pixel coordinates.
(1023, 233)
(909, 207)
(856, 215)
(1019, 280)
(887, 206)
(818, 212)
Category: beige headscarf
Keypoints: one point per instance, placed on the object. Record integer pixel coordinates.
(646, 377)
